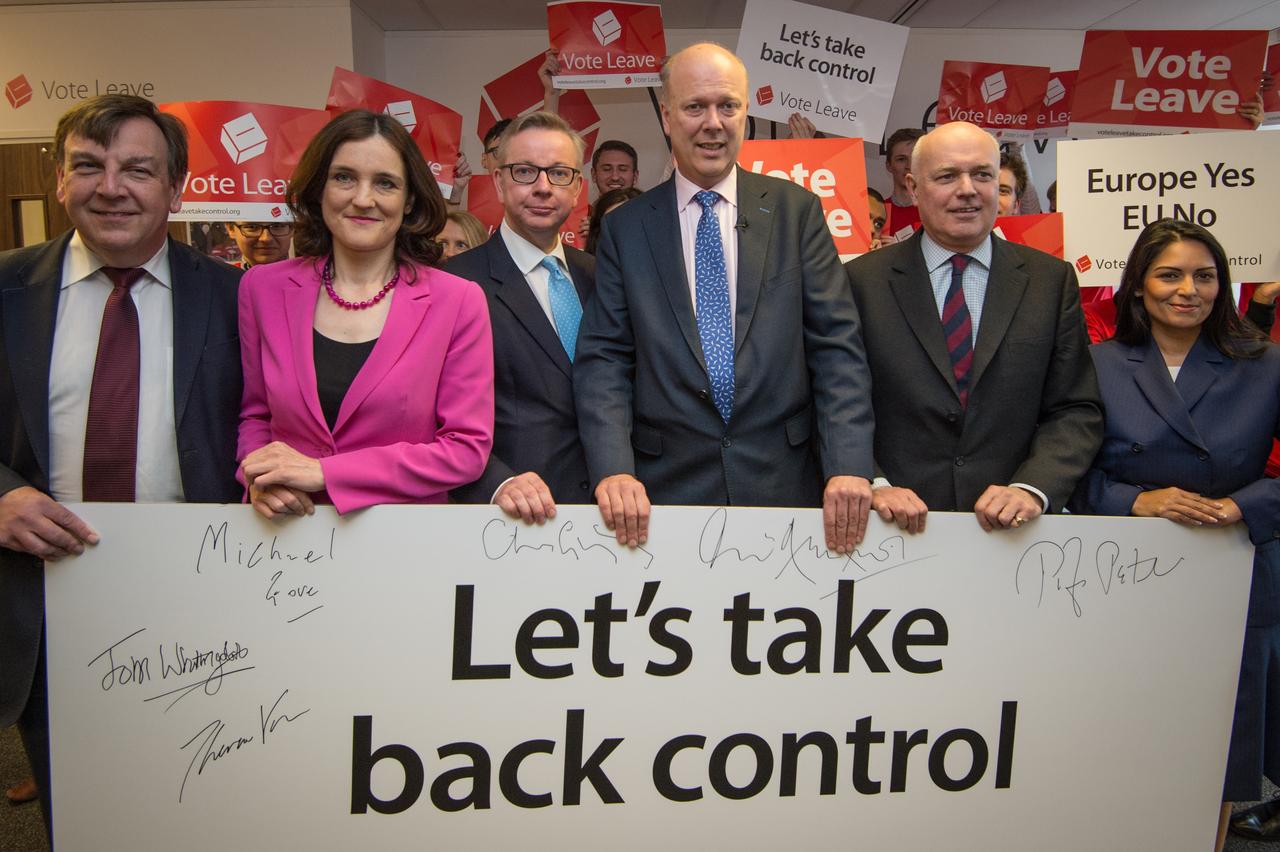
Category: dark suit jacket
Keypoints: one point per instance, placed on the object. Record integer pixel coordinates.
(206, 391)
(1033, 415)
(535, 422)
(801, 401)
(1209, 433)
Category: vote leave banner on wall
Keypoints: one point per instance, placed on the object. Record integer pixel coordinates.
(483, 203)
(241, 156)
(1041, 231)
(1110, 189)
(520, 90)
(1271, 96)
(1160, 82)
(444, 677)
(435, 128)
(1004, 99)
(1055, 116)
(837, 70)
(832, 169)
(606, 45)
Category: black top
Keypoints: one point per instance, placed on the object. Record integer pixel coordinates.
(337, 364)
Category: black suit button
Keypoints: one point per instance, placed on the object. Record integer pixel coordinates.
(584, 485)
(953, 416)
(726, 443)
(959, 461)
(1136, 448)
(1202, 455)
(702, 394)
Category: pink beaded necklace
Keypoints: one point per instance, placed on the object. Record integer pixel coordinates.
(326, 275)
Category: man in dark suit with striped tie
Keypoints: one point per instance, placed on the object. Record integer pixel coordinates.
(984, 394)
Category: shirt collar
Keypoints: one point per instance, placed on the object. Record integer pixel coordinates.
(81, 262)
(526, 255)
(935, 255)
(686, 189)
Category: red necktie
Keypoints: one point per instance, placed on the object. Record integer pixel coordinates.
(958, 327)
(111, 433)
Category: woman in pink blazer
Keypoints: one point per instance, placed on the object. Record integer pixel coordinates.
(368, 374)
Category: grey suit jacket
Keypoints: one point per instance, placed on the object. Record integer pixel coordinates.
(801, 402)
(206, 391)
(535, 423)
(1034, 414)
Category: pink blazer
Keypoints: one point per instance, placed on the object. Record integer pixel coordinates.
(418, 419)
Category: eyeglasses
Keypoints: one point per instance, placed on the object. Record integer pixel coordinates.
(528, 173)
(276, 229)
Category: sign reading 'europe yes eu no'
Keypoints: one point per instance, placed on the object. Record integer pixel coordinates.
(442, 677)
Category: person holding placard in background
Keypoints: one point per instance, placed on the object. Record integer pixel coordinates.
(368, 374)
(1192, 398)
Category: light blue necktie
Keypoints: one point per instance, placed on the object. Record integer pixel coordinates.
(711, 285)
(566, 310)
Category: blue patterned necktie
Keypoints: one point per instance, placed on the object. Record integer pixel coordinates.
(711, 285)
(566, 310)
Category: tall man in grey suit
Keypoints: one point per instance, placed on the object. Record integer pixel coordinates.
(985, 396)
(119, 373)
(536, 286)
(720, 362)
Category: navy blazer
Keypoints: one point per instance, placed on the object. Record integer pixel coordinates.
(802, 398)
(1210, 432)
(206, 396)
(535, 421)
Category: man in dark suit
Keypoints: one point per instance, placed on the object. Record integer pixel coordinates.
(985, 397)
(720, 362)
(536, 286)
(87, 324)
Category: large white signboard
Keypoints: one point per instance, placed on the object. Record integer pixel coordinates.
(835, 69)
(441, 677)
(1109, 190)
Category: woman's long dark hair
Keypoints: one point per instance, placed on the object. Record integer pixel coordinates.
(416, 239)
(1229, 334)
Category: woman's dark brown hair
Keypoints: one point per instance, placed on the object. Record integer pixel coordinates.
(415, 241)
(612, 198)
(1231, 335)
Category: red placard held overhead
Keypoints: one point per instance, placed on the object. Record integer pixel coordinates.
(1271, 96)
(606, 45)
(241, 156)
(1160, 82)
(1041, 231)
(520, 90)
(435, 128)
(1004, 99)
(1055, 117)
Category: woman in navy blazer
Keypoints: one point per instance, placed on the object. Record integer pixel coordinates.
(368, 374)
(1192, 398)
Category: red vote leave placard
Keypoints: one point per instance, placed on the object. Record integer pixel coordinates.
(832, 169)
(241, 156)
(1055, 116)
(483, 203)
(1041, 231)
(604, 45)
(1154, 82)
(1004, 99)
(519, 91)
(435, 128)
(1271, 96)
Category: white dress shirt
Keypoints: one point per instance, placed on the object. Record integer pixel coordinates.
(528, 259)
(85, 289)
(689, 212)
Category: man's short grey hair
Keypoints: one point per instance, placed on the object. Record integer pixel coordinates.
(541, 121)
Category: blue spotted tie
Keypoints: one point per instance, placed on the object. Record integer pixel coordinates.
(715, 324)
(566, 310)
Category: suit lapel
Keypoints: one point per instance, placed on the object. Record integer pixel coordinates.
(1006, 283)
(756, 211)
(408, 308)
(1152, 377)
(300, 308)
(909, 282)
(1199, 371)
(514, 292)
(662, 229)
(30, 313)
(191, 308)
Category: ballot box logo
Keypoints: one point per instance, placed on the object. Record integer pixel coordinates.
(994, 87)
(243, 138)
(17, 91)
(276, 212)
(1083, 263)
(606, 27)
(402, 111)
(764, 95)
(1055, 92)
